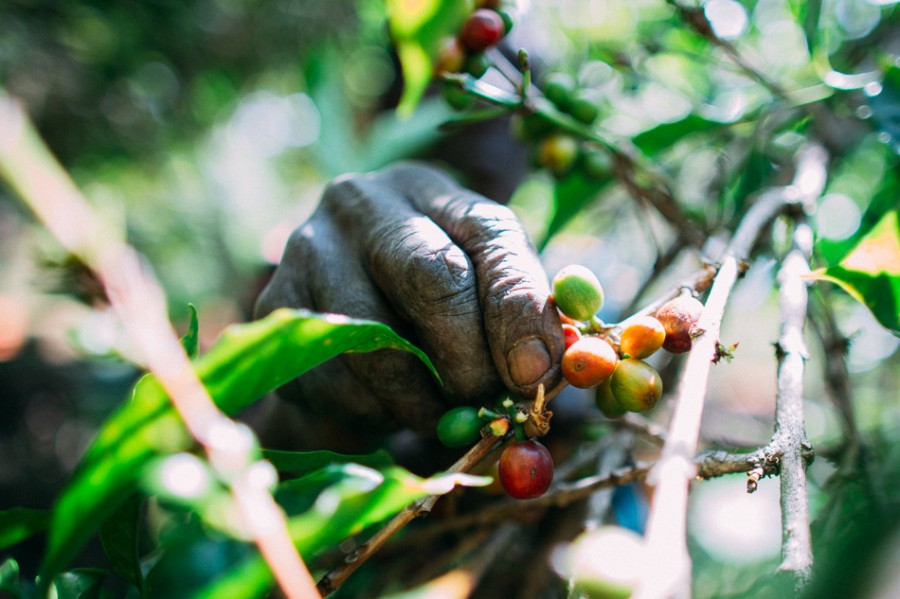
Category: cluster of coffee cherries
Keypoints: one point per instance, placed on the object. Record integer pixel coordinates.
(525, 467)
(559, 151)
(464, 52)
(617, 370)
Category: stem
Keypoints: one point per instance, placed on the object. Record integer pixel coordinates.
(334, 579)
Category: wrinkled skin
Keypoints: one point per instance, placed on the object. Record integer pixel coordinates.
(448, 269)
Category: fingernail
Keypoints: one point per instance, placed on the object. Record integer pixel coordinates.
(528, 361)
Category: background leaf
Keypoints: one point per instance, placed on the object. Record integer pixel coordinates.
(870, 273)
(248, 361)
(302, 462)
(119, 536)
(17, 524)
(191, 339)
(570, 195)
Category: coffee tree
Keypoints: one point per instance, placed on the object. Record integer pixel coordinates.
(713, 187)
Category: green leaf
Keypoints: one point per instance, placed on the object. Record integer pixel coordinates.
(302, 462)
(248, 361)
(19, 523)
(666, 135)
(870, 273)
(83, 583)
(571, 194)
(337, 502)
(9, 579)
(119, 537)
(191, 339)
(418, 28)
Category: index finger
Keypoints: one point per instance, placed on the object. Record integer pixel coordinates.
(523, 329)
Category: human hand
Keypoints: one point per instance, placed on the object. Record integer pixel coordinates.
(448, 269)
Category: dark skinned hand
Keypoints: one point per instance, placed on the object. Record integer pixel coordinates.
(448, 269)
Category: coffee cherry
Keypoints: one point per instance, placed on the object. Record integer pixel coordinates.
(459, 427)
(558, 88)
(530, 126)
(525, 469)
(456, 96)
(451, 57)
(557, 153)
(597, 165)
(583, 108)
(606, 563)
(642, 337)
(589, 362)
(571, 334)
(476, 65)
(636, 385)
(577, 292)
(607, 402)
(679, 317)
(482, 29)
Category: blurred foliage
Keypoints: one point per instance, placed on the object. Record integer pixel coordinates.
(207, 129)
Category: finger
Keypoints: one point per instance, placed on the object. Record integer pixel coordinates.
(522, 326)
(339, 282)
(426, 278)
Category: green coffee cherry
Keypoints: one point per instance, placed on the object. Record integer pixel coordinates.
(607, 402)
(459, 427)
(636, 385)
(583, 108)
(577, 292)
(558, 88)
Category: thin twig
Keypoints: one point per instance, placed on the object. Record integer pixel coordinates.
(139, 301)
(334, 579)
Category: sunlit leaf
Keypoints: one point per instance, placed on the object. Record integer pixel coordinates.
(666, 135)
(248, 361)
(301, 462)
(418, 28)
(870, 273)
(17, 524)
(337, 502)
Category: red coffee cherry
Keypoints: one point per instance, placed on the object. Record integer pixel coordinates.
(525, 469)
(571, 333)
(679, 317)
(483, 29)
(636, 385)
(642, 337)
(589, 362)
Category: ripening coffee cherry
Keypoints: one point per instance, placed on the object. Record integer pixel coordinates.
(577, 292)
(679, 317)
(557, 153)
(451, 57)
(483, 29)
(571, 334)
(607, 402)
(459, 427)
(636, 385)
(525, 469)
(589, 362)
(642, 337)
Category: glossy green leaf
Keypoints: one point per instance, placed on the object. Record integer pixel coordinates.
(119, 537)
(870, 273)
(571, 194)
(191, 339)
(17, 524)
(302, 462)
(248, 361)
(418, 28)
